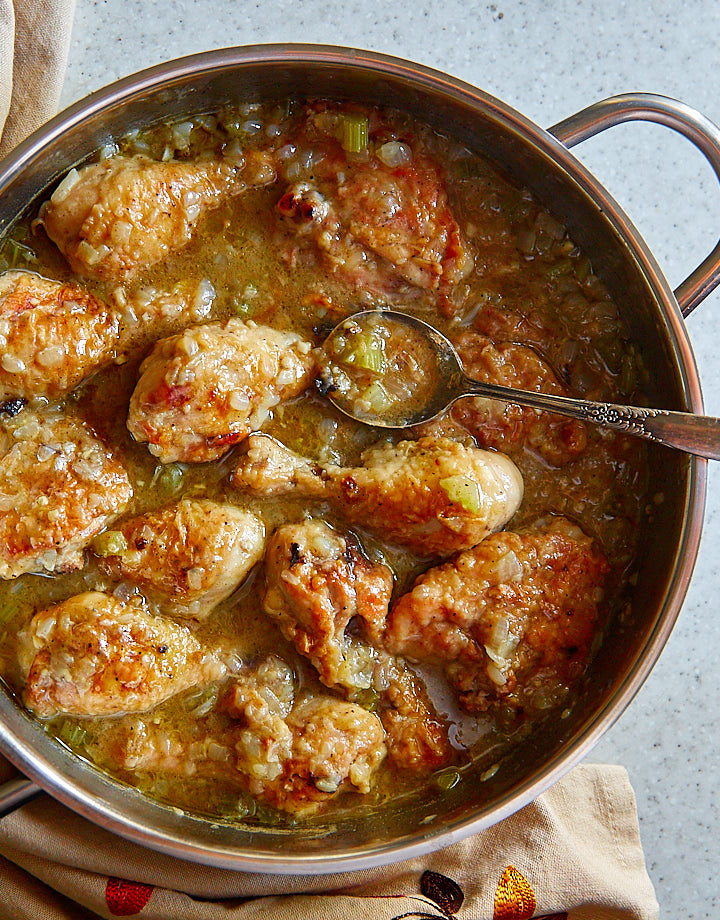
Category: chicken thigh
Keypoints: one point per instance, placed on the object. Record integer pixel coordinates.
(511, 617)
(204, 390)
(292, 755)
(506, 426)
(317, 581)
(378, 219)
(113, 219)
(52, 335)
(194, 553)
(93, 655)
(327, 746)
(59, 486)
(319, 587)
(433, 495)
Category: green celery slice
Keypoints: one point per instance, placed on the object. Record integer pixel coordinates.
(462, 491)
(354, 133)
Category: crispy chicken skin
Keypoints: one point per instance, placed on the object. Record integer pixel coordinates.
(193, 553)
(59, 486)
(376, 224)
(52, 335)
(207, 388)
(113, 219)
(92, 655)
(317, 581)
(402, 491)
(508, 427)
(512, 615)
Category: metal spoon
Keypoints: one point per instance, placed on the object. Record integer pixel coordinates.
(445, 381)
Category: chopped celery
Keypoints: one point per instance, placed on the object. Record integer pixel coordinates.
(582, 268)
(267, 815)
(241, 303)
(236, 806)
(245, 808)
(368, 699)
(462, 491)
(200, 704)
(368, 353)
(354, 132)
(241, 307)
(560, 269)
(110, 543)
(234, 125)
(72, 735)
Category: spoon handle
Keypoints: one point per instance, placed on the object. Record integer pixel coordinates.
(695, 434)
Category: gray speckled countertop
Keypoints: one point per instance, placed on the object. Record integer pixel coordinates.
(547, 60)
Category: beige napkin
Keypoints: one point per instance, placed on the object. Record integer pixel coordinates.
(34, 44)
(574, 853)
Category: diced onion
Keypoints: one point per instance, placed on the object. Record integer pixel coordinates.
(395, 153)
(61, 192)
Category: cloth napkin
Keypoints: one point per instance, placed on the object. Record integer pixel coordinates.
(34, 45)
(574, 853)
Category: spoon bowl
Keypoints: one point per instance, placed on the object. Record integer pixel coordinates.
(392, 370)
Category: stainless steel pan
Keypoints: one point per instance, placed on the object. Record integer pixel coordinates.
(540, 160)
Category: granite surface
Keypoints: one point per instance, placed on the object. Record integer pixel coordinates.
(547, 60)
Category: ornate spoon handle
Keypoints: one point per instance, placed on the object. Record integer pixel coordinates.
(695, 434)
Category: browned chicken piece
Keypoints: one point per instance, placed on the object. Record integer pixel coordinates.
(317, 581)
(204, 390)
(294, 756)
(327, 746)
(379, 219)
(379, 226)
(194, 553)
(118, 217)
(512, 617)
(93, 655)
(507, 426)
(59, 486)
(52, 335)
(433, 495)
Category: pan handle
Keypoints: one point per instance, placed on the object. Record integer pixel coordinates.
(682, 118)
(16, 792)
